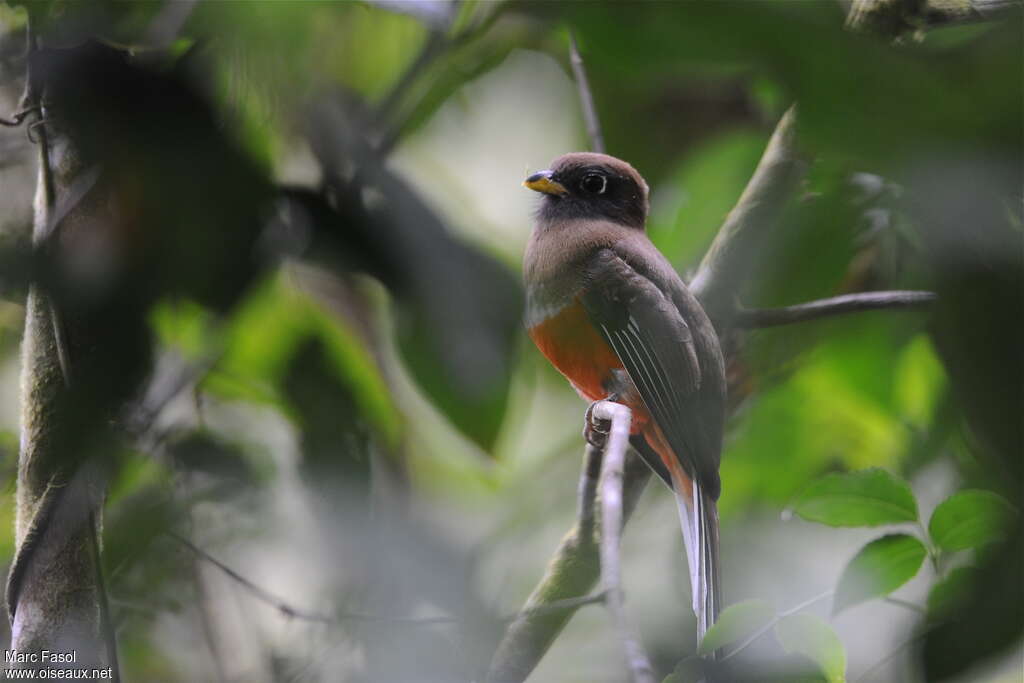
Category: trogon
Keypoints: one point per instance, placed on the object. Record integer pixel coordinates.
(611, 314)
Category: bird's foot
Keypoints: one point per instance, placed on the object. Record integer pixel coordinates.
(596, 431)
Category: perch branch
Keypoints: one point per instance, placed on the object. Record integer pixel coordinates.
(588, 489)
(837, 305)
(572, 571)
(579, 73)
(612, 484)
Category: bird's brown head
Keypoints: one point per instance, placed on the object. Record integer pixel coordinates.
(587, 185)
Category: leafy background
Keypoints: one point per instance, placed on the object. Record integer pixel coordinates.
(366, 430)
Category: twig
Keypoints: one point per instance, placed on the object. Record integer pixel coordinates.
(579, 73)
(109, 632)
(774, 620)
(435, 46)
(612, 482)
(837, 305)
(905, 604)
(293, 612)
(258, 591)
(741, 238)
(895, 651)
(206, 620)
(430, 50)
(142, 422)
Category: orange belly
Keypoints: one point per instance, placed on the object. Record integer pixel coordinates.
(578, 351)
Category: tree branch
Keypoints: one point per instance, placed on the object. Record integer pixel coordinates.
(612, 484)
(54, 589)
(742, 236)
(587, 493)
(837, 305)
(590, 118)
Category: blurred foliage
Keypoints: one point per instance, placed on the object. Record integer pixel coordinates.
(350, 413)
(879, 568)
(866, 498)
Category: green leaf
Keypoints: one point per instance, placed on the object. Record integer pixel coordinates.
(970, 519)
(882, 566)
(735, 623)
(948, 594)
(865, 498)
(254, 364)
(808, 635)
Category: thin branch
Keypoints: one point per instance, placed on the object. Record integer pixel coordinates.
(293, 612)
(206, 620)
(612, 520)
(905, 604)
(895, 651)
(837, 305)
(431, 49)
(437, 44)
(741, 239)
(579, 73)
(109, 631)
(774, 620)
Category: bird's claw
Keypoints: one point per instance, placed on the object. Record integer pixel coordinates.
(595, 431)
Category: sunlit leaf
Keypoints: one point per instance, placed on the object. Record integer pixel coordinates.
(735, 623)
(970, 519)
(808, 635)
(882, 566)
(183, 325)
(919, 378)
(865, 498)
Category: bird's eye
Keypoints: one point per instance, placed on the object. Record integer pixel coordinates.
(594, 183)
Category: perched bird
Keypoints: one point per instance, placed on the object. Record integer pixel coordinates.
(612, 315)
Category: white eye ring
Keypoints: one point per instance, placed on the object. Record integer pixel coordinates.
(586, 188)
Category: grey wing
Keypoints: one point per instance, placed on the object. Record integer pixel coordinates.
(655, 344)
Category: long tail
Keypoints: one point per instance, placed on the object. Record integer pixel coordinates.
(698, 516)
